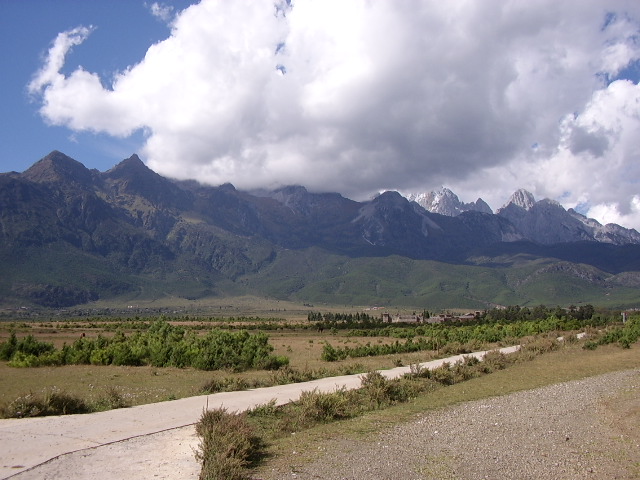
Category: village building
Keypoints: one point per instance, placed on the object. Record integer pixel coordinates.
(440, 318)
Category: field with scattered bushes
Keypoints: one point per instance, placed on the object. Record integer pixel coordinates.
(75, 365)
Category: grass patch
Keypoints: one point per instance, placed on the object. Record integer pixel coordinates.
(103, 387)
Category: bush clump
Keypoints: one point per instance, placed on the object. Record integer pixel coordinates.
(56, 402)
(227, 445)
(161, 345)
(625, 335)
(316, 407)
(53, 402)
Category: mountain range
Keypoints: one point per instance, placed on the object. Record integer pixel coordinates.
(70, 235)
(546, 221)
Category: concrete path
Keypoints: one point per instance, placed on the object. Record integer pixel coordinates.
(147, 441)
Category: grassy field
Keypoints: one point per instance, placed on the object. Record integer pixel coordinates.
(140, 385)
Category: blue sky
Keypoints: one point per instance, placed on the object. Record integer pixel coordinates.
(124, 31)
(349, 96)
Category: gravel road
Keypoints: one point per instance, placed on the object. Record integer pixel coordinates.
(585, 429)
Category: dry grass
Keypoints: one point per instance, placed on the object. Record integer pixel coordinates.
(304, 348)
(137, 385)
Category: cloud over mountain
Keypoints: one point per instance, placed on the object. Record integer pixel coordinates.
(359, 97)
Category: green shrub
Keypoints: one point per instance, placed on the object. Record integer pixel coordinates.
(443, 374)
(331, 354)
(28, 405)
(161, 345)
(465, 369)
(60, 403)
(268, 409)
(8, 348)
(288, 375)
(541, 345)
(225, 384)
(379, 392)
(22, 360)
(273, 362)
(350, 369)
(454, 348)
(377, 389)
(493, 361)
(418, 371)
(313, 407)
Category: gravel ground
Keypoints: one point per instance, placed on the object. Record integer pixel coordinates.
(585, 429)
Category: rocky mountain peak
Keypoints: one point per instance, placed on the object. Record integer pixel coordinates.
(58, 167)
(521, 198)
(295, 197)
(289, 193)
(445, 202)
(132, 177)
(131, 166)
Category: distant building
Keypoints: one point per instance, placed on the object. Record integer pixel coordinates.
(387, 317)
(441, 318)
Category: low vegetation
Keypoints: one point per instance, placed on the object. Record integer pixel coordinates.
(56, 402)
(169, 351)
(227, 445)
(496, 325)
(161, 345)
(376, 392)
(326, 344)
(624, 335)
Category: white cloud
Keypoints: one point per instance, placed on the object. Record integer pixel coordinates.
(361, 96)
(161, 11)
(611, 212)
(49, 75)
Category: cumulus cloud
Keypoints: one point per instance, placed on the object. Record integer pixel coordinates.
(359, 96)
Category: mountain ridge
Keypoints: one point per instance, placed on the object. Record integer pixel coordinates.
(445, 202)
(129, 231)
(545, 221)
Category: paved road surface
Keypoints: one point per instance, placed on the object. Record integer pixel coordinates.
(147, 441)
